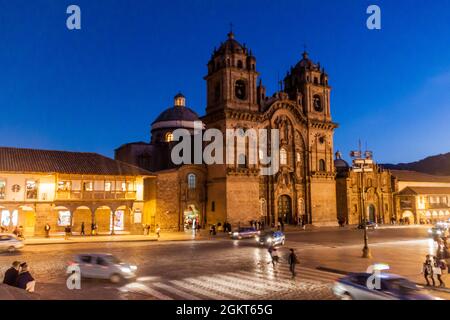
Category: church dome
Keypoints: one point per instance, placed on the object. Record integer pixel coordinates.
(306, 62)
(230, 46)
(341, 164)
(177, 113)
(178, 116)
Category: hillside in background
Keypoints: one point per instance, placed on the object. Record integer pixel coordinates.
(437, 165)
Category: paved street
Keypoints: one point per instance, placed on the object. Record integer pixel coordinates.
(227, 269)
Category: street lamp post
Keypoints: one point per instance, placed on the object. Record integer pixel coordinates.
(361, 165)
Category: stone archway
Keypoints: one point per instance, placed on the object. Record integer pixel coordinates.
(81, 215)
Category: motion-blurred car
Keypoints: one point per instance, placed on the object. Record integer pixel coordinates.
(10, 243)
(392, 287)
(369, 225)
(245, 232)
(104, 266)
(438, 231)
(271, 238)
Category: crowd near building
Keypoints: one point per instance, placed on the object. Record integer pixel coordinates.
(143, 187)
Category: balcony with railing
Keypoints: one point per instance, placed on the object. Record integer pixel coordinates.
(95, 195)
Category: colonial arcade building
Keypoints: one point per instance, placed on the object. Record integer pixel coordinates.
(303, 188)
(69, 188)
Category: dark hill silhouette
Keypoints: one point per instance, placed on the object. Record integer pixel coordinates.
(437, 165)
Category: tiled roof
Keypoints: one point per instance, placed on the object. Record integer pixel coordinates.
(426, 190)
(406, 175)
(49, 161)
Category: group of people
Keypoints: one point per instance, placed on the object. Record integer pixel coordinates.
(258, 225)
(436, 265)
(68, 230)
(17, 231)
(147, 229)
(19, 276)
(292, 259)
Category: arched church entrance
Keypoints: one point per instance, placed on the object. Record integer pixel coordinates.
(371, 214)
(191, 217)
(285, 209)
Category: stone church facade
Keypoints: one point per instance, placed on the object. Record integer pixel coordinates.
(304, 187)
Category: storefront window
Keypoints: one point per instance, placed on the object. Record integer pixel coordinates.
(31, 189)
(9, 219)
(119, 220)
(2, 189)
(108, 186)
(123, 187)
(64, 185)
(64, 218)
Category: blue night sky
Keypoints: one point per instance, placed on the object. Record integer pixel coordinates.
(102, 86)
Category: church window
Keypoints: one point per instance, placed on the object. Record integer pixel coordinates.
(242, 161)
(321, 165)
(213, 206)
(283, 156)
(317, 103)
(240, 89)
(299, 157)
(240, 64)
(169, 137)
(217, 91)
(192, 181)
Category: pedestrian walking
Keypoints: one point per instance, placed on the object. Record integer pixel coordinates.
(82, 228)
(292, 260)
(92, 229)
(438, 265)
(427, 270)
(279, 226)
(11, 274)
(158, 231)
(274, 256)
(47, 230)
(25, 280)
(66, 232)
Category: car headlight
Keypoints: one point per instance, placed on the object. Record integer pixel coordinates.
(235, 234)
(257, 238)
(125, 270)
(133, 268)
(269, 240)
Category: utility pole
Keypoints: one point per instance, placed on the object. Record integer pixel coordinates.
(361, 164)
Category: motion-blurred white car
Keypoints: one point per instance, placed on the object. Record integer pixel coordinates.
(10, 243)
(392, 287)
(104, 266)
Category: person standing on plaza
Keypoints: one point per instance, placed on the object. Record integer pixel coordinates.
(82, 229)
(292, 260)
(47, 230)
(158, 231)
